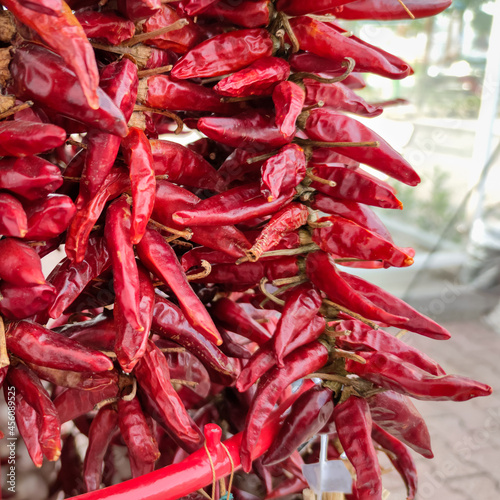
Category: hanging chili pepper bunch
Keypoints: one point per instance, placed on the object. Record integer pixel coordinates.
(201, 282)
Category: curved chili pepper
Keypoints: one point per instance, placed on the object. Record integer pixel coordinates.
(138, 10)
(400, 458)
(22, 138)
(130, 344)
(224, 53)
(233, 206)
(27, 424)
(258, 79)
(105, 26)
(20, 265)
(348, 239)
(43, 347)
(50, 217)
(384, 10)
(355, 185)
(184, 166)
(160, 259)
(354, 428)
(397, 414)
(162, 92)
(31, 177)
(42, 76)
(64, 34)
(338, 96)
(321, 270)
(329, 126)
(392, 373)
(19, 302)
(363, 338)
(303, 361)
(13, 218)
(49, 426)
(298, 8)
(288, 98)
(154, 380)
(170, 323)
(101, 432)
(232, 348)
(416, 322)
(142, 447)
(325, 40)
(118, 234)
(98, 333)
(139, 158)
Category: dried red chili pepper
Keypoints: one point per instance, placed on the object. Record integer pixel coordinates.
(159, 258)
(50, 7)
(170, 323)
(231, 347)
(154, 380)
(130, 344)
(328, 126)
(64, 34)
(233, 206)
(13, 218)
(38, 345)
(23, 138)
(305, 360)
(288, 98)
(184, 166)
(385, 10)
(138, 10)
(400, 458)
(195, 7)
(19, 302)
(50, 217)
(102, 430)
(26, 421)
(397, 414)
(105, 26)
(390, 372)
(363, 338)
(42, 76)
(325, 40)
(307, 417)
(338, 96)
(142, 447)
(49, 426)
(355, 185)
(258, 79)
(416, 322)
(98, 333)
(321, 270)
(20, 264)
(250, 130)
(245, 13)
(118, 233)
(354, 428)
(298, 8)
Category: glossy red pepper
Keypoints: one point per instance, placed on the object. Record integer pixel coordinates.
(184, 166)
(233, 206)
(98, 333)
(102, 430)
(397, 414)
(224, 53)
(42, 76)
(305, 360)
(50, 217)
(20, 264)
(64, 34)
(51, 7)
(23, 138)
(167, 408)
(118, 232)
(138, 10)
(328, 126)
(19, 302)
(416, 322)
(258, 79)
(298, 8)
(195, 7)
(245, 13)
(325, 40)
(159, 258)
(288, 98)
(355, 185)
(384, 10)
(13, 218)
(105, 26)
(26, 421)
(130, 345)
(354, 427)
(400, 458)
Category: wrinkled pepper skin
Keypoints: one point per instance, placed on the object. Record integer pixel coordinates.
(195, 7)
(224, 53)
(105, 27)
(20, 265)
(246, 13)
(20, 302)
(50, 7)
(13, 218)
(26, 421)
(385, 10)
(288, 99)
(137, 10)
(299, 8)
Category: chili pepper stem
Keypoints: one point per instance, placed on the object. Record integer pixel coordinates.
(105, 402)
(349, 63)
(78, 144)
(4, 356)
(203, 274)
(153, 34)
(186, 233)
(270, 296)
(176, 118)
(320, 144)
(133, 392)
(295, 280)
(409, 12)
(315, 178)
(154, 71)
(371, 324)
(289, 31)
(15, 109)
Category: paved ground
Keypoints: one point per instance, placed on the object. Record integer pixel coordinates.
(465, 436)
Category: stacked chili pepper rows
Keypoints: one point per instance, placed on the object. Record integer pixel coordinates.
(200, 282)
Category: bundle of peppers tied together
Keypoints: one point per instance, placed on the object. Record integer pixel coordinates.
(201, 282)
